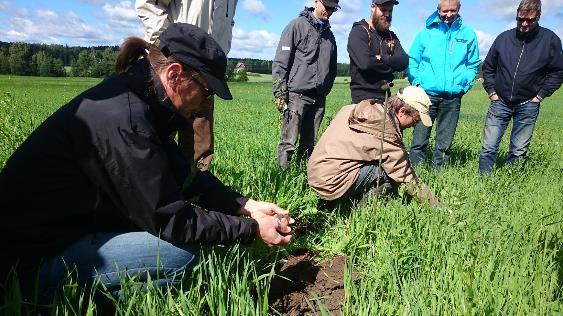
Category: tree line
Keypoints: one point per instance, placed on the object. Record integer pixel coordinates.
(53, 60)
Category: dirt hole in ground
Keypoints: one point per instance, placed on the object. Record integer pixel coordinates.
(308, 284)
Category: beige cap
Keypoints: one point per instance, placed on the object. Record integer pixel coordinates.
(419, 100)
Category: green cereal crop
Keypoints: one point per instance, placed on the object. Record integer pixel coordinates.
(496, 247)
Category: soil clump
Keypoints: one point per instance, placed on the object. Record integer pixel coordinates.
(300, 285)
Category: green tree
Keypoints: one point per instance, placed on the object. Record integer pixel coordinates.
(20, 59)
(242, 76)
(230, 72)
(4, 63)
(81, 68)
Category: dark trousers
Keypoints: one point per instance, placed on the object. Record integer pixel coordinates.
(444, 113)
(196, 141)
(301, 120)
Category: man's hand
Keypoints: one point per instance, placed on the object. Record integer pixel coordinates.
(536, 100)
(279, 104)
(274, 230)
(493, 97)
(254, 208)
(273, 221)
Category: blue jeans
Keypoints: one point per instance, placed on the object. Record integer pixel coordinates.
(444, 113)
(111, 257)
(524, 119)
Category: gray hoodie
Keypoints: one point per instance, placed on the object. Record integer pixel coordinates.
(305, 59)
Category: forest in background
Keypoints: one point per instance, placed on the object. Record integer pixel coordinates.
(52, 60)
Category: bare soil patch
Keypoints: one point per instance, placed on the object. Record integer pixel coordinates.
(308, 284)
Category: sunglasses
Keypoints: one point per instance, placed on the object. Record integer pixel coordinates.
(207, 93)
(529, 20)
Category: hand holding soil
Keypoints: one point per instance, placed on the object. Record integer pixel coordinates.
(272, 231)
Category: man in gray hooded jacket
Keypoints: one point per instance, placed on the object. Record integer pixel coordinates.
(303, 72)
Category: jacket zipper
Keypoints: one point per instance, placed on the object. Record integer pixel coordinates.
(227, 13)
(448, 40)
(319, 50)
(516, 71)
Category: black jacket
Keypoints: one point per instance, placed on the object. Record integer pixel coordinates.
(519, 68)
(367, 71)
(104, 162)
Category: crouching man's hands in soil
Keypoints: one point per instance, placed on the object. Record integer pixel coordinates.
(273, 221)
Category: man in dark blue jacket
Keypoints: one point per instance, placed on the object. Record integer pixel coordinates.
(523, 66)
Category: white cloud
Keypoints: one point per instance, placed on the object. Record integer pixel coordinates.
(122, 11)
(4, 5)
(44, 26)
(46, 14)
(260, 44)
(485, 41)
(506, 9)
(22, 12)
(258, 8)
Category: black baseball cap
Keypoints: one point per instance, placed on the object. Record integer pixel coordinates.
(395, 2)
(331, 3)
(195, 48)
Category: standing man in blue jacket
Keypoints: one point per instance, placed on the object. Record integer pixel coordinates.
(523, 67)
(303, 72)
(444, 60)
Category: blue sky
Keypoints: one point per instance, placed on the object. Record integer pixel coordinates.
(258, 23)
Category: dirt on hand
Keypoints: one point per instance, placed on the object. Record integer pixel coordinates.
(308, 284)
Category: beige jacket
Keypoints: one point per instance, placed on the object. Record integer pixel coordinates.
(216, 17)
(353, 138)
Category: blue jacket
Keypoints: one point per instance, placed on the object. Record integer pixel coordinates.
(444, 60)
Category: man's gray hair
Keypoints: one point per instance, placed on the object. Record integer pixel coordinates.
(458, 2)
(530, 5)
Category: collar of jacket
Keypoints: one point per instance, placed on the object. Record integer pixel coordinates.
(140, 80)
(434, 18)
(527, 37)
(307, 13)
(368, 117)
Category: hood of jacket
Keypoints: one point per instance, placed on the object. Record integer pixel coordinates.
(307, 13)
(370, 117)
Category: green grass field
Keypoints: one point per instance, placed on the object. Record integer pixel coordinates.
(496, 248)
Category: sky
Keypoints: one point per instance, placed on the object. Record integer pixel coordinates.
(258, 23)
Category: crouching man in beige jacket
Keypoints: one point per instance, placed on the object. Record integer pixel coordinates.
(362, 149)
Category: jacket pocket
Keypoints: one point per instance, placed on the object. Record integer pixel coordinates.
(293, 75)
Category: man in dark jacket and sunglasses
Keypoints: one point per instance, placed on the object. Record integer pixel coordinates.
(524, 66)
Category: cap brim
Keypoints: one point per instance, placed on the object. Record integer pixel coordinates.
(425, 119)
(219, 87)
(331, 4)
(395, 2)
